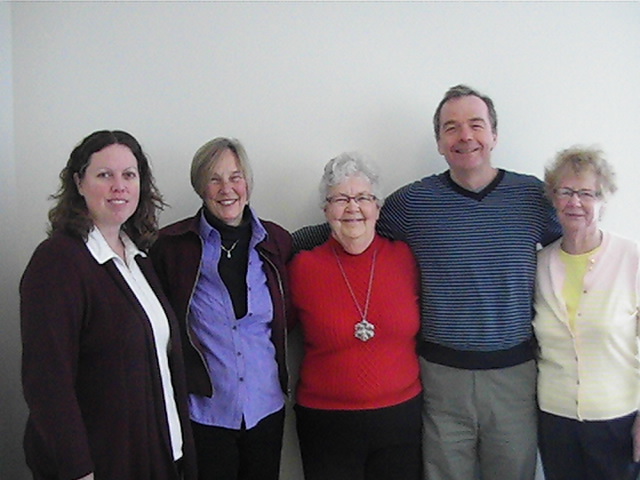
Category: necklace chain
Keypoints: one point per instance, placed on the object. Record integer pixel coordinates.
(364, 330)
(230, 249)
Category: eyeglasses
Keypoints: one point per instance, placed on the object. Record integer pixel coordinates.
(343, 200)
(584, 195)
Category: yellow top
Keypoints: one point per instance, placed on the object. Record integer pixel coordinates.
(575, 268)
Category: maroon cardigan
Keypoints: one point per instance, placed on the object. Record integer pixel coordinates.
(176, 256)
(90, 372)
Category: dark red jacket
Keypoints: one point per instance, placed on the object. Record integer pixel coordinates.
(176, 256)
(90, 372)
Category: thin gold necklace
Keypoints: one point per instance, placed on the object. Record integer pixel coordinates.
(364, 330)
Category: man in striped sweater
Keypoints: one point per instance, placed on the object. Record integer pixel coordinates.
(474, 230)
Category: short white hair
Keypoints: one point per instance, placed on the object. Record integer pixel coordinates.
(347, 165)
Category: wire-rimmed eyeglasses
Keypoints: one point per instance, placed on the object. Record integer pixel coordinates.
(343, 200)
(585, 195)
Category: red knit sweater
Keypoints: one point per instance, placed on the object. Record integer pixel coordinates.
(338, 371)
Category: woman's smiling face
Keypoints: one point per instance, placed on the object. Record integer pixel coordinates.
(356, 219)
(226, 192)
(578, 201)
(110, 186)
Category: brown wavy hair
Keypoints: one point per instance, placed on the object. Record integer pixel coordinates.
(70, 213)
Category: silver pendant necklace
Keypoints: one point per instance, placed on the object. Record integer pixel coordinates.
(230, 249)
(364, 330)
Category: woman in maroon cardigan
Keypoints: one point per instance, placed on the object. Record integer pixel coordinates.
(102, 370)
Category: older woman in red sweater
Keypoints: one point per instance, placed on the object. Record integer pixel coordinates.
(356, 298)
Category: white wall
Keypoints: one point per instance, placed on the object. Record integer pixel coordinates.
(11, 403)
(297, 83)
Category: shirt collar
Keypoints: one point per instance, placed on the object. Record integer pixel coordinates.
(258, 232)
(102, 252)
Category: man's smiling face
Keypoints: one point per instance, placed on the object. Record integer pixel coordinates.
(466, 137)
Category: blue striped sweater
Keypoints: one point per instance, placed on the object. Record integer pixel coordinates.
(477, 259)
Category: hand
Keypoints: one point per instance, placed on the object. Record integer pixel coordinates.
(635, 435)
(87, 477)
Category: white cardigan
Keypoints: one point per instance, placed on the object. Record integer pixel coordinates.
(592, 373)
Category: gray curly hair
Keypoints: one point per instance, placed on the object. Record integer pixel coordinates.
(344, 166)
(581, 159)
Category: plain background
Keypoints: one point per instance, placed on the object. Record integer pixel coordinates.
(297, 83)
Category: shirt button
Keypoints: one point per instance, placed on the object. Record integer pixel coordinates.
(241, 379)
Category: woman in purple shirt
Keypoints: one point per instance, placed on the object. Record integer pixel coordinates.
(224, 273)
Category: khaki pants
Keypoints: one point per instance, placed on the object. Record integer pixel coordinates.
(479, 422)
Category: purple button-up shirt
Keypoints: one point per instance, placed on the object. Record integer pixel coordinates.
(238, 352)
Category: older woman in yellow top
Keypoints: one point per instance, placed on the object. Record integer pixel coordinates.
(587, 302)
